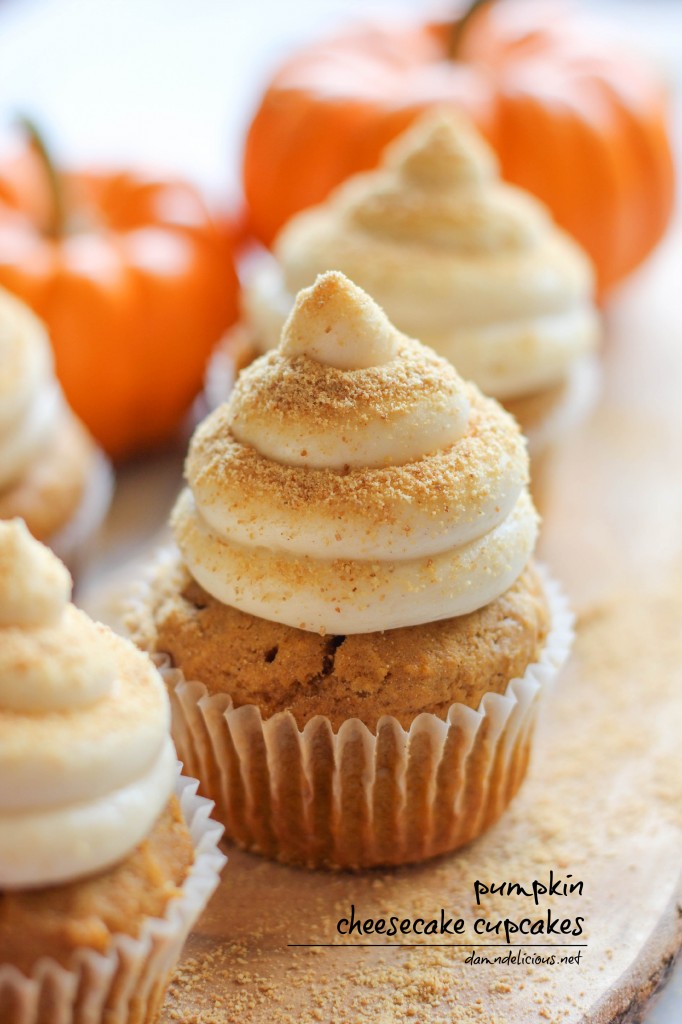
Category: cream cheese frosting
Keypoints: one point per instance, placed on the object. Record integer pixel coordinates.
(473, 267)
(30, 398)
(354, 482)
(86, 762)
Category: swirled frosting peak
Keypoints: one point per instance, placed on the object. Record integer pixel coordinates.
(473, 267)
(86, 762)
(442, 152)
(439, 185)
(351, 498)
(34, 585)
(336, 324)
(401, 407)
(30, 398)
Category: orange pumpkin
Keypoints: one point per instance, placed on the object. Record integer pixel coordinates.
(573, 120)
(135, 281)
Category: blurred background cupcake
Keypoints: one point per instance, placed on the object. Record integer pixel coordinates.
(107, 857)
(52, 474)
(473, 267)
(355, 635)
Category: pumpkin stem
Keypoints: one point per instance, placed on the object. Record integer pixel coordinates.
(56, 224)
(460, 27)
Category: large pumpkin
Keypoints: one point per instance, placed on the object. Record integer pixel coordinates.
(573, 120)
(134, 280)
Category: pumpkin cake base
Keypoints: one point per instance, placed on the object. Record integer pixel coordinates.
(86, 913)
(401, 672)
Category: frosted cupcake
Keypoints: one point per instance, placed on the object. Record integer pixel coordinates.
(356, 637)
(52, 475)
(106, 854)
(471, 266)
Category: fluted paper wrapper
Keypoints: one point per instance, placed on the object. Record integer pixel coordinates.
(356, 798)
(126, 985)
(546, 437)
(584, 385)
(74, 541)
(236, 349)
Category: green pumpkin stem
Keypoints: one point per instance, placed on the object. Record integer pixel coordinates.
(56, 224)
(460, 27)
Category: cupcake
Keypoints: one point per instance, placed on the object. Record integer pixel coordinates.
(471, 266)
(351, 627)
(52, 475)
(106, 855)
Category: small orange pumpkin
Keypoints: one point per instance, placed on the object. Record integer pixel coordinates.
(134, 279)
(574, 121)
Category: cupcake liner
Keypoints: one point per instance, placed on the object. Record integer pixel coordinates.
(236, 349)
(583, 387)
(126, 985)
(544, 439)
(72, 543)
(354, 798)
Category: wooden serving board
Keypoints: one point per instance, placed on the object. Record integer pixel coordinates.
(603, 800)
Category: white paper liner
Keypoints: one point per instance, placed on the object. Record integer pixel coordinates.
(235, 350)
(353, 799)
(547, 436)
(126, 985)
(73, 542)
(580, 398)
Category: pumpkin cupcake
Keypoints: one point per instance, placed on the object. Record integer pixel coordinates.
(106, 854)
(471, 266)
(52, 475)
(353, 632)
